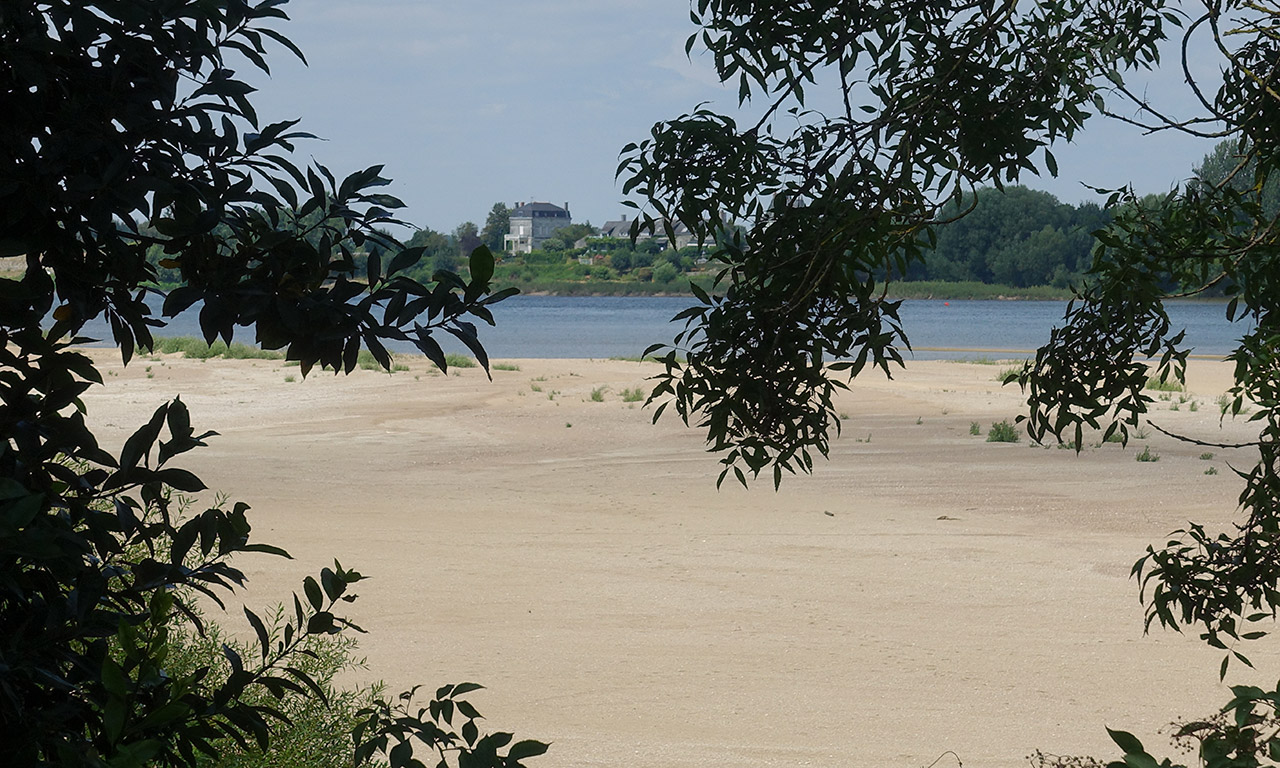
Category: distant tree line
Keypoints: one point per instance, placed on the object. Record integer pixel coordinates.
(1019, 237)
(1016, 237)
(1022, 237)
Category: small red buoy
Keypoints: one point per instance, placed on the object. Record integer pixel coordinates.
(946, 303)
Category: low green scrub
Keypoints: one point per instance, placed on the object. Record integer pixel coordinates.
(650, 359)
(632, 395)
(1232, 406)
(367, 362)
(190, 346)
(1148, 454)
(311, 737)
(1002, 432)
(462, 361)
(1170, 385)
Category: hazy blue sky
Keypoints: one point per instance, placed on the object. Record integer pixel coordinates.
(470, 103)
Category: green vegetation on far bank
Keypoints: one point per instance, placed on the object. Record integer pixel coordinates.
(607, 287)
(913, 289)
(942, 289)
(922, 289)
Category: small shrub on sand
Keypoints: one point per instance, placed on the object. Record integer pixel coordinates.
(1002, 432)
(368, 362)
(461, 361)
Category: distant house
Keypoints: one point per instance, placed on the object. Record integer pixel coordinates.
(531, 225)
(622, 228)
(617, 229)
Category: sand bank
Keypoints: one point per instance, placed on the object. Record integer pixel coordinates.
(924, 591)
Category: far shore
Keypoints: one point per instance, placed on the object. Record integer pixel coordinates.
(899, 290)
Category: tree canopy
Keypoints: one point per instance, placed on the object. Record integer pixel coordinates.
(933, 100)
(497, 224)
(1013, 236)
(936, 99)
(127, 128)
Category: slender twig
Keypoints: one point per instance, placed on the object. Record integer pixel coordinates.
(1205, 443)
(959, 762)
(1186, 68)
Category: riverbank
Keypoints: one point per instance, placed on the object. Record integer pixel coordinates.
(925, 289)
(924, 591)
(899, 290)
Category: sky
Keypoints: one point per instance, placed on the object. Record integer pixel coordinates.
(472, 103)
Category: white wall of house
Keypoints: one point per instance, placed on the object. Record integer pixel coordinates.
(531, 225)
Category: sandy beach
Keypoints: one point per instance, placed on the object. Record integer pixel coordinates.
(923, 591)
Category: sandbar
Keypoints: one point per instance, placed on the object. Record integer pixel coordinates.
(923, 591)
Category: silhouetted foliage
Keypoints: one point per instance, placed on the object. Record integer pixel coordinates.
(937, 100)
(115, 114)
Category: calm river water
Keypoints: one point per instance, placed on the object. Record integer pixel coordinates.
(605, 326)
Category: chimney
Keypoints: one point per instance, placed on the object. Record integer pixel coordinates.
(566, 205)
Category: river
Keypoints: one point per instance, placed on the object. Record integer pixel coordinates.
(623, 326)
